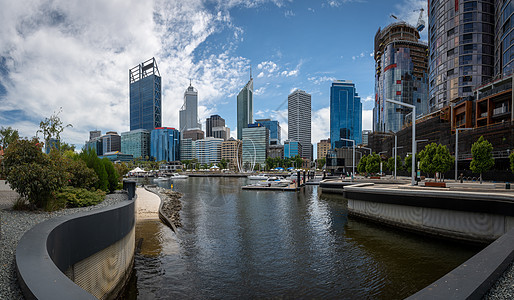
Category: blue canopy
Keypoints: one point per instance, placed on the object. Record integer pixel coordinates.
(290, 168)
(279, 168)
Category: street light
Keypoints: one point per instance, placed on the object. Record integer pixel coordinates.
(362, 147)
(353, 164)
(413, 173)
(457, 149)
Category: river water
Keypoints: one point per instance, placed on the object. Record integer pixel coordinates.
(265, 244)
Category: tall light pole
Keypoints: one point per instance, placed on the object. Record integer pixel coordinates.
(353, 164)
(362, 147)
(457, 148)
(413, 173)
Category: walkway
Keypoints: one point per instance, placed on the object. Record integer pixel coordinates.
(147, 205)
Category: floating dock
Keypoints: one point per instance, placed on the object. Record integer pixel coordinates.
(291, 188)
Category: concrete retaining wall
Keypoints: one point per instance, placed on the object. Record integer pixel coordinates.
(95, 249)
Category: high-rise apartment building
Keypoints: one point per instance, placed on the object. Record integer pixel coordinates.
(111, 142)
(323, 147)
(208, 150)
(345, 114)
(244, 108)
(504, 38)
(145, 96)
(232, 152)
(461, 52)
(136, 142)
(165, 144)
(276, 151)
(255, 145)
(188, 114)
(274, 130)
(193, 134)
(299, 121)
(401, 74)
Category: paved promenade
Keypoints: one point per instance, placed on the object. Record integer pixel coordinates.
(147, 205)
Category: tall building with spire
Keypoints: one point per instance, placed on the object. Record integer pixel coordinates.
(245, 107)
(299, 121)
(145, 96)
(188, 114)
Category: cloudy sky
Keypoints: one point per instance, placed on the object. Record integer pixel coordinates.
(75, 55)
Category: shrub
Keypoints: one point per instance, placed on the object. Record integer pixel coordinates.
(79, 197)
(31, 173)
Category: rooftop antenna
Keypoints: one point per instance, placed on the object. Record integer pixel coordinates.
(250, 72)
(190, 82)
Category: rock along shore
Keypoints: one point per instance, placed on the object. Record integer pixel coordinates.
(171, 204)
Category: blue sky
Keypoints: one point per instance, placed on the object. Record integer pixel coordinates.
(76, 55)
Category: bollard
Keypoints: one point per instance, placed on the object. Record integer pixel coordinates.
(507, 185)
(130, 187)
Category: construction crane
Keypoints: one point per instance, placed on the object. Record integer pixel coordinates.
(421, 23)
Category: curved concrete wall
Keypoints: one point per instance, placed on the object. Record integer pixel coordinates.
(95, 248)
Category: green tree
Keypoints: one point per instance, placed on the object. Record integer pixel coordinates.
(361, 166)
(270, 163)
(373, 163)
(390, 163)
(92, 161)
(32, 173)
(112, 175)
(482, 152)
(407, 162)
(321, 162)
(121, 169)
(7, 136)
(435, 158)
(63, 147)
(223, 163)
(52, 127)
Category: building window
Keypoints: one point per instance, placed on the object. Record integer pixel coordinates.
(450, 72)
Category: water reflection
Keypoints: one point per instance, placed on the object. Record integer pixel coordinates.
(236, 243)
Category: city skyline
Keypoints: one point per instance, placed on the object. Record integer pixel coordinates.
(72, 64)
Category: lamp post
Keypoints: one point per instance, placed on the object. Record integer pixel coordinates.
(353, 164)
(362, 147)
(457, 149)
(413, 173)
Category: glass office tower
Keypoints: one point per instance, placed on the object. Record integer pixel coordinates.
(244, 108)
(504, 38)
(345, 114)
(274, 130)
(145, 96)
(165, 144)
(136, 142)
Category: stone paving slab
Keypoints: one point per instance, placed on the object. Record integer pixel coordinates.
(147, 205)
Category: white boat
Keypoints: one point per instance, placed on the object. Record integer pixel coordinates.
(274, 181)
(160, 178)
(178, 176)
(257, 177)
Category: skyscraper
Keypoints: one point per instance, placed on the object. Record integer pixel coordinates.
(504, 60)
(213, 121)
(244, 108)
(188, 114)
(145, 96)
(274, 130)
(111, 142)
(461, 39)
(165, 144)
(299, 121)
(345, 114)
(401, 74)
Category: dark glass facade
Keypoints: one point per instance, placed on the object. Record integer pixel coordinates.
(461, 39)
(145, 96)
(345, 114)
(274, 130)
(244, 108)
(165, 144)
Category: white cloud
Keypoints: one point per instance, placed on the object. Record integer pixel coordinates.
(260, 91)
(310, 9)
(320, 125)
(368, 98)
(261, 74)
(405, 12)
(289, 13)
(320, 79)
(367, 119)
(76, 55)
